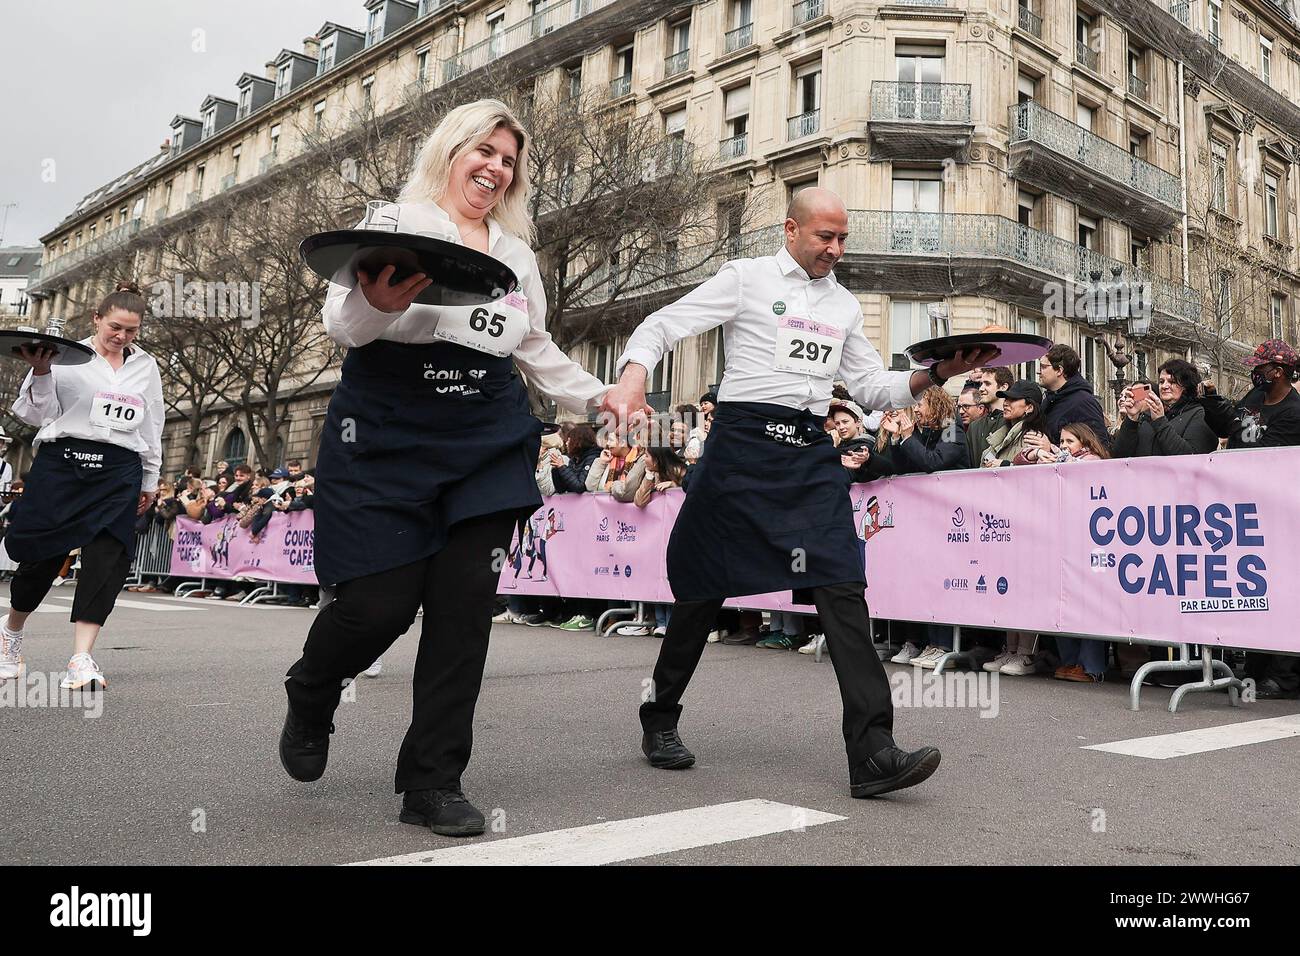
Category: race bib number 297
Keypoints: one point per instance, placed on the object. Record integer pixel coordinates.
(805, 347)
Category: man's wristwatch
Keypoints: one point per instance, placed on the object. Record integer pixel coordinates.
(935, 377)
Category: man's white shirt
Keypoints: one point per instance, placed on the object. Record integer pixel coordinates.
(351, 320)
(749, 298)
(61, 403)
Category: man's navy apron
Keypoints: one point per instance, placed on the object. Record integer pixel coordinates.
(416, 439)
(76, 489)
(767, 509)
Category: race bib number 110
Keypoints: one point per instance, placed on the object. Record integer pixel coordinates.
(122, 413)
(805, 347)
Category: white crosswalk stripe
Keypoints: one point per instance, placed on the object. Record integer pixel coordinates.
(619, 840)
(1206, 739)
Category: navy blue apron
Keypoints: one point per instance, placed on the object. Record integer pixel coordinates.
(76, 489)
(416, 439)
(767, 509)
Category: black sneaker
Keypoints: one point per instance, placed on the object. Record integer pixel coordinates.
(893, 769)
(304, 747)
(666, 750)
(445, 812)
(1269, 689)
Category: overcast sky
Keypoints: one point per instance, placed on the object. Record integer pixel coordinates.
(93, 84)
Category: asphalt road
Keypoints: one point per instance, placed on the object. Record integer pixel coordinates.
(181, 766)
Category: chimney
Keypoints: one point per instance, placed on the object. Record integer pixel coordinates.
(166, 145)
(311, 47)
(270, 70)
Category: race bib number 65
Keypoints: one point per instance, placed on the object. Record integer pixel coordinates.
(122, 413)
(805, 347)
(496, 328)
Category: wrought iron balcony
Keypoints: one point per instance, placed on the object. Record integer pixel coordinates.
(1181, 10)
(514, 37)
(1030, 22)
(734, 147)
(86, 252)
(924, 121)
(1216, 41)
(677, 63)
(227, 181)
(620, 86)
(193, 198)
(805, 124)
(1030, 258)
(1137, 86)
(1087, 57)
(265, 163)
(739, 38)
(807, 10)
(1063, 157)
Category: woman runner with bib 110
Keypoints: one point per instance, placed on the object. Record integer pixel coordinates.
(426, 464)
(99, 452)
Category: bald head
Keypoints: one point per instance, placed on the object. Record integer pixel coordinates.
(816, 229)
(815, 201)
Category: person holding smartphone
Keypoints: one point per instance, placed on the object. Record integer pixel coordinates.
(1170, 423)
(99, 454)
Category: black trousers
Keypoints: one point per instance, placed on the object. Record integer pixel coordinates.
(457, 587)
(864, 686)
(104, 567)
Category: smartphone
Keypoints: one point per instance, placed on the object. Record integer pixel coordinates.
(1140, 394)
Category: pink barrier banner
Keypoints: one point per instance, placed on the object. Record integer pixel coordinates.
(1198, 549)
(285, 551)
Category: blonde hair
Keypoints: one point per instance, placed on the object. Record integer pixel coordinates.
(936, 408)
(463, 129)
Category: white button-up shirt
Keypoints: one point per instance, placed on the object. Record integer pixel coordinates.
(351, 320)
(60, 404)
(747, 297)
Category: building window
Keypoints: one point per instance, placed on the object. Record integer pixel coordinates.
(679, 40)
(282, 76)
(742, 14)
(1271, 223)
(326, 61)
(912, 322)
(199, 172)
(574, 74)
(275, 139)
(1087, 234)
(1025, 205)
(245, 101)
(1214, 19)
(234, 160)
(167, 195)
(422, 65)
(1266, 60)
(1223, 303)
(919, 70)
(1026, 88)
(235, 449)
(318, 113)
(367, 92)
(917, 201)
(623, 62)
(1028, 325)
(808, 92)
(92, 232)
(374, 26)
(1138, 143)
(603, 367)
(736, 112)
(1219, 176)
(209, 123)
(1277, 315)
(496, 25)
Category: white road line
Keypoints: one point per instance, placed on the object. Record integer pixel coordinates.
(620, 840)
(123, 602)
(1206, 739)
(42, 609)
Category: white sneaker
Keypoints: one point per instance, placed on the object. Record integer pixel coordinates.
(906, 654)
(715, 636)
(374, 669)
(637, 630)
(660, 631)
(58, 582)
(509, 617)
(928, 657)
(11, 654)
(1019, 666)
(999, 662)
(818, 641)
(83, 672)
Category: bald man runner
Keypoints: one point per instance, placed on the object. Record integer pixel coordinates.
(768, 509)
